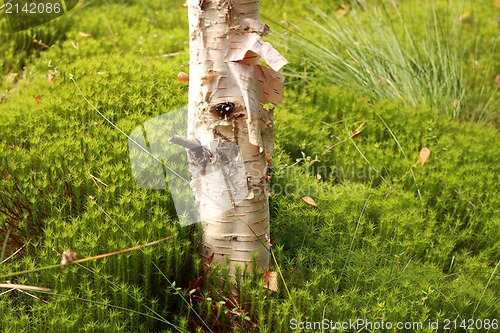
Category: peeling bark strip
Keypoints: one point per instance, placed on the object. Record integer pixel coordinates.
(227, 90)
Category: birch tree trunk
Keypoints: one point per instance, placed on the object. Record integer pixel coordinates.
(228, 89)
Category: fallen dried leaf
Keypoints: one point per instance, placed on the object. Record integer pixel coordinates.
(269, 159)
(341, 12)
(358, 130)
(183, 77)
(196, 283)
(310, 201)
(84, 34)
(210, 259)
(424, 155)
(464, 17)
(37, 98)
(497, 80)
(270, 280)
(52, 76)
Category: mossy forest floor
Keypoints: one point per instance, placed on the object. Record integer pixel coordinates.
(389, 241)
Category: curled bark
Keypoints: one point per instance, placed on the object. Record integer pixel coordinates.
(227, 90)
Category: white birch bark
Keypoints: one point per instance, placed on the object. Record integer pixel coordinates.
(227, 90)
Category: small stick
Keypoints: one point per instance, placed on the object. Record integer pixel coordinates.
(23, 287)
(87, 259)
(463, 196)
(185, 142)
(2, 7)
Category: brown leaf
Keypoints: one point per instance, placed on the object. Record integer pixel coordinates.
(270, 280)
(358, 130)
(269, 159)
(84, 34)
(497, 79)
(464, 17)
(52, 76)
(37, 98)
(424, 155)
(196, 283)
(341, 12)
(183, 77)
(310, 201)
(210, 259)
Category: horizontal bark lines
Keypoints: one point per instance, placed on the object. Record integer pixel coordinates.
(227, 90)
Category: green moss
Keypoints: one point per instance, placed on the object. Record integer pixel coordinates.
(378, 245)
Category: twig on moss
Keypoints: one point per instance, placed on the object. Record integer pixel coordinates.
(14, 286)
(79, 261)
(463, 196)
